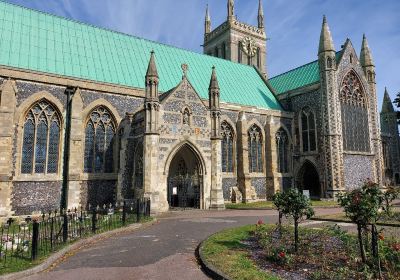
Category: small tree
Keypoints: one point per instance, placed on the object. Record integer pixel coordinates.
(293, 203)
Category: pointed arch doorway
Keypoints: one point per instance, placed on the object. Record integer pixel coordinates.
(185, 179)
(308, 179)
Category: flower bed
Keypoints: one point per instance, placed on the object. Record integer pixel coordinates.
(268, 253)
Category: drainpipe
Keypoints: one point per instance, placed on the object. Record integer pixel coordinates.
(64, 193)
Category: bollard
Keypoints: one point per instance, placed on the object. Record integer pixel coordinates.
(35, 240)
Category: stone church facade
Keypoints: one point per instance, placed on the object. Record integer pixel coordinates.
(90, 116)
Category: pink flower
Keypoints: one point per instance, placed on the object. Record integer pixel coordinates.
(260, 222)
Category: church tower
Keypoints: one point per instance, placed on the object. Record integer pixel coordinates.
(390, 130)
(237, 41)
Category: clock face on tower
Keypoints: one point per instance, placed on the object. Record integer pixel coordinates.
(249, 46)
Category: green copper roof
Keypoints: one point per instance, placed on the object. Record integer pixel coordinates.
(41, 42)
(299, 77)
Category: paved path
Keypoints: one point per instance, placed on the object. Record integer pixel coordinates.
(162, 251)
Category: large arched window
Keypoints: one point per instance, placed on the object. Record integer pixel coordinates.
(308, 133)
(282, 146)
(227, 147)
(255, 149)
(41, 140)
(99, 136)
(354, 110)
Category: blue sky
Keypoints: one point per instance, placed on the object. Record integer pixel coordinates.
(293, 26)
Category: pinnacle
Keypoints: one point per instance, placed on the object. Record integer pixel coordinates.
(152, 68)
(365, 55)
(214, 81)
(387, 106)
(325, 41)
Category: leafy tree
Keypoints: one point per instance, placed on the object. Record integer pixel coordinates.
(279, 202)
(397, 102)
(292, 203)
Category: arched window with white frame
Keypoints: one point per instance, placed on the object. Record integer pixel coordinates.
(255, 142)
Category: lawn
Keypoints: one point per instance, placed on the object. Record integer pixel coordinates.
(262, 252)
(394, 219)
(225, 251)
(269, 204)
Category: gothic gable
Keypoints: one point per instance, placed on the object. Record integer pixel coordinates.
(350, 61)
(183, 106)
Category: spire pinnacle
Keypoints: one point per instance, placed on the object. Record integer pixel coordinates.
(214, 81)
(325, 41)
(231, 9)
(152, 68)
(260, 15)
(365, 55)
(207, 23)
(387, 105)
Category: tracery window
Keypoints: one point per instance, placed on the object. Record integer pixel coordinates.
(99, 142)
(255, 149)
(227, 147)
(282, 145)
(308, 130)
(223, 50)
(354, 110)
(41, 140)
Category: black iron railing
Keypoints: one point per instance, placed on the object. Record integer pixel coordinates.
(38, 236)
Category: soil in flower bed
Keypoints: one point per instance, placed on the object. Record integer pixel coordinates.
(328, 253)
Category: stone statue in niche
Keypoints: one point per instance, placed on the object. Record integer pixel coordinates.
(186, 117)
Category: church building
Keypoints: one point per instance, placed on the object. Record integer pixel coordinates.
(90, 116)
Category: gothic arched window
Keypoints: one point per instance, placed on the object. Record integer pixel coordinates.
(240, 46)
(258, 58)
(227, 147)
(255, 149)
(355, 128)
(216, 52)
(308, 131)
(223, 51)
(138, 166)
(99, 142)
(41, 140)
(282, 146)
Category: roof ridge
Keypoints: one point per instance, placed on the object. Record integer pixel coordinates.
(121, 33)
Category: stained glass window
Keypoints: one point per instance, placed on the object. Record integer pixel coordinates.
(99, 142)
(282, 145)
(308, 131)
(41, 140)
(255, 143)
(227, 147)
(354, 110)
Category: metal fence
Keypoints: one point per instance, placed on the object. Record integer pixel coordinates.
(36, 237)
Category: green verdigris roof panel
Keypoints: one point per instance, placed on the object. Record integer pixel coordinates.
(299, 77)
(42, 42)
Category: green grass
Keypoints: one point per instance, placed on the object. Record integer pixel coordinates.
(269, 204)
(225, 251)
(395, 219)
(22, 262)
